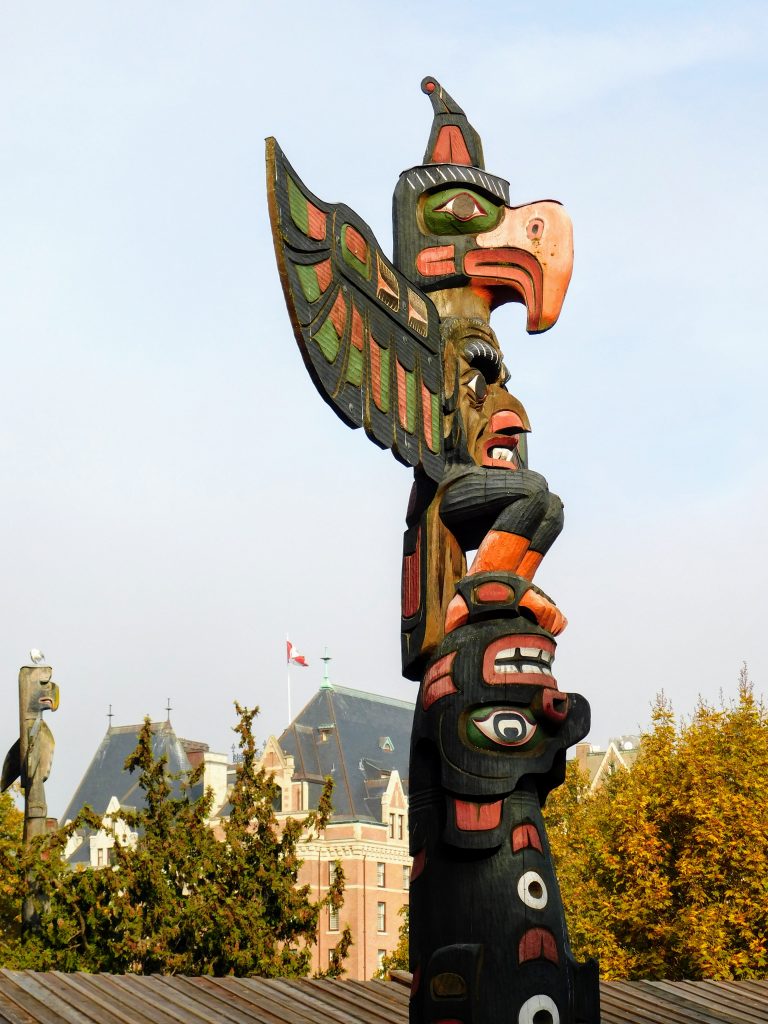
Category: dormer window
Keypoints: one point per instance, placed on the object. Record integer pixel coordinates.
(325, 731)
(385, 743)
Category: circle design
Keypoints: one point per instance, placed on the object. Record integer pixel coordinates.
(539, 1010)
(532, 891)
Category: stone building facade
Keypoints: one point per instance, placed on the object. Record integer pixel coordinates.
(362, 741)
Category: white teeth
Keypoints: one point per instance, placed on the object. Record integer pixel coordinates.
(504, 663)
(547, 655)
(505, 454)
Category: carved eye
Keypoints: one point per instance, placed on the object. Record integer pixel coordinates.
(506, 728)
(479, 387)
(463, 207)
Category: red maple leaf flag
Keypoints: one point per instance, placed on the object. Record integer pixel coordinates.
(294, 658)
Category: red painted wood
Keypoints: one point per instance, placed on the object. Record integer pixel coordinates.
(493, 592)
(525, 836)
(356, 244)
(324, 274)
(538, 944)
(441, 687)
(472, 816)
(339, 314)
(411, 584)
(436, 260)
(450, 147)
(457, 613)
(317, 222)
(419, 862)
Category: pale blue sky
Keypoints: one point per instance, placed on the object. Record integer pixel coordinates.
(176, 494)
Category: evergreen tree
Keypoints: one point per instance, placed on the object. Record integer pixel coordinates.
(182, 901)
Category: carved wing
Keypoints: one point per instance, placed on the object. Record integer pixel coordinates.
(369, 338)
(11, 766)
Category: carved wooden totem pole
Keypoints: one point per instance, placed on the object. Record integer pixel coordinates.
(29, 760)
(405, 350)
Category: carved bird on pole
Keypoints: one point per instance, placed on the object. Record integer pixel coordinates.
(404, 349)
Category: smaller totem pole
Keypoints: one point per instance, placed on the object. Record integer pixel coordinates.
(29, 760)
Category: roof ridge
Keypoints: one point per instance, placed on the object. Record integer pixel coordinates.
(347, 691)
(342, 753)
(136, 729)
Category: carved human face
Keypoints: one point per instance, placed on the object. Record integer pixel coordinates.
(495, 703)
(39, 692)
(493, 422)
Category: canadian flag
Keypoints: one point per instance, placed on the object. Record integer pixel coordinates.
(294, 658)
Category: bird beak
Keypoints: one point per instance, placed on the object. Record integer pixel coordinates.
(531, 253)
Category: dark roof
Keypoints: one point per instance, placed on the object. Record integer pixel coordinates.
(366, 737)
(106, 775)
(82, 855)
(54, 998)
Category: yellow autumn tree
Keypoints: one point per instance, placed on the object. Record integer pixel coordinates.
(11, 826)
(664, 871)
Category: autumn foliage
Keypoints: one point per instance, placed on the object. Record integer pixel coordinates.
(664, 871)
(180, 900)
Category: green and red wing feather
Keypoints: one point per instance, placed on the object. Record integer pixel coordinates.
(369, 338)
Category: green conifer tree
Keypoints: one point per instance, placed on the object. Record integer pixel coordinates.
(180, 900)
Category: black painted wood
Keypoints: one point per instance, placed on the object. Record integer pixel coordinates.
(488, 936)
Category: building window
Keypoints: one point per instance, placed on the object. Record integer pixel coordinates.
(391, 826)
(400, 826)
(277, 803)
(406, 877)
(333, 919)
(380, 869)
(106, 857)
(331, 872)
(381, 917)
(380, 954)
(99, 858)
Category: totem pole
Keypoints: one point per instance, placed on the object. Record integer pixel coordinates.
(29, 760)
(405, 350)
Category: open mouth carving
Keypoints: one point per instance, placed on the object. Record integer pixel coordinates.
(523, 659)
(502, 452)
(501, 448)
(520, 659)
(517, 269)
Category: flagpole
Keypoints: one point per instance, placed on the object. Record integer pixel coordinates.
(288, 671)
